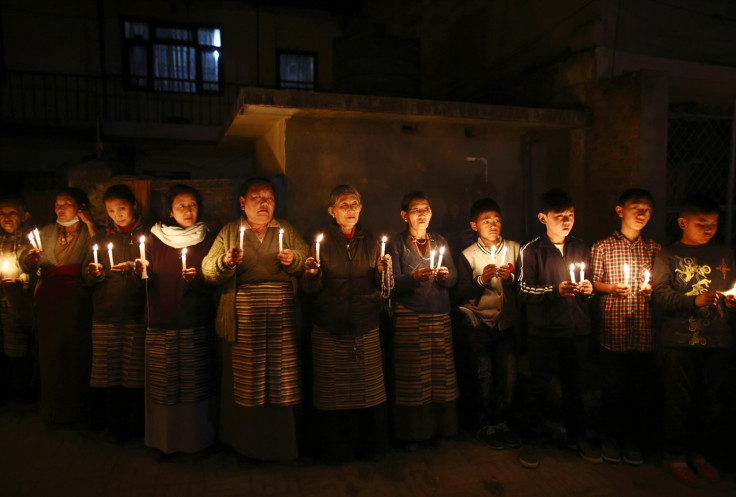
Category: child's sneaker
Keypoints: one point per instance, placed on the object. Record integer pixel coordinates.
(611, 450)
(632, 455)
(491, 437)
(588, 451)
(529, 456)
(682, 472)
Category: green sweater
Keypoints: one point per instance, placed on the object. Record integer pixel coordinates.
(215, 271)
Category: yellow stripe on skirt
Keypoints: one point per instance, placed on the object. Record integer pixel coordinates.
(118, 354)
(265, 353)
(348, 371)
(424, 367)
(179, 365)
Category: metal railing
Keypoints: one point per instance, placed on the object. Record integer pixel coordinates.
(77, 100)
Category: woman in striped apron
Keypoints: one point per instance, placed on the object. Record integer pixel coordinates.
(179, 370)
(424, 384)
(349, 390)
(254, 261)
(118, 326)
(64, 310)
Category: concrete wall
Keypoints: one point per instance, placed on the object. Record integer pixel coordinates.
(385, 163)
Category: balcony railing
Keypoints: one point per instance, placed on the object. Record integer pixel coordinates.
(46, 99)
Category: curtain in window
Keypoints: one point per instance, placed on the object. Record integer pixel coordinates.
(297, 71)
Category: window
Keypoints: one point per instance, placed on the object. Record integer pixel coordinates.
(171, 58)
(297, 70)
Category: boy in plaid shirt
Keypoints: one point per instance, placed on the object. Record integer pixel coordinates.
(622, 265)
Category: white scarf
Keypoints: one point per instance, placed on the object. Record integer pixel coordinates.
(178, 237)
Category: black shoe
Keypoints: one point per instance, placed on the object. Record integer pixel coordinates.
(509, 438)
(491, 437)
(529, 456)
(589, 452)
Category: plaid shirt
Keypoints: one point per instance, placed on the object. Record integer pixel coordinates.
(627, 321)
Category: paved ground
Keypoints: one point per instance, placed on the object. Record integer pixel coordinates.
(41, 462)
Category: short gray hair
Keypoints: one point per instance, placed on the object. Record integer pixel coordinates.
(342, 190)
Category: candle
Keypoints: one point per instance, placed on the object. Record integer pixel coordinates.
(572, 273)
(383, 246)
(431, 259)
(627, 273)
(281, 239)
(109, 254)
(38, 238)
(142, 248)
(32, 240)
(582, 271)
(647, 275)
(94, 251)
(732, 291)
(317, 240)
(493, 253)
(184, 259)
(242, 232)
(4, 269)
(439, 260)
(503, 254)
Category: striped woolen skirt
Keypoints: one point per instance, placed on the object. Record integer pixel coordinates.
(348, 372)
(15, 337)
(265, 353)
(118, 354)
(179, 365)
(424, 367)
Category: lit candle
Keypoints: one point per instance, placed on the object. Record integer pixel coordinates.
(493, 253)
(572, 273)
(242, 232)
(439, 259)
(94, 251)
(647, 275)
(32, 240)
(142, 248)
(4, 269)
(431, 259)
(732, 291)
(281, 239)
(109, 254)
(627, 273)
(316, 247)
(38, 238)
(582, 271)
(383, 246)
(184, 259)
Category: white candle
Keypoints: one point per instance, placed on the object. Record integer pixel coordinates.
(32, 240)
(647, 275)
(732, 291)
(142, 248)
(184, 259)
(582, 271)
(109, 254)
(4, 268)
(94, 252)
(493, 253)
(439, 259)
(316, 247)
(383, 246)
(242, 232)
(431, 259)
(281, 239)
(503, 254)
(572, 273)
(627, 273)
(38, 238)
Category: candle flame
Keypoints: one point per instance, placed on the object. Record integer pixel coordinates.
(732, 291)
(319, 238)
(572, 267)
(442, 250)
(95, 247)
(143, 239)
(109, 246)
(183, 251)
(384, 239)
(582, 266)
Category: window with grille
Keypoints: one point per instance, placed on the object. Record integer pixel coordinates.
(172, 58)
(297, 70)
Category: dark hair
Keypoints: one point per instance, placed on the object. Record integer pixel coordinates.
(699, 204)
(410, 197)
(486, 204)
(79, 196)
(16, 200)
(555, 200)
(635, 194)
(341, 190)
(124, 193)
(179, 189)
(255, 181)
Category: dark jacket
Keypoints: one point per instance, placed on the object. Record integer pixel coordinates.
(347, 303)
(117, 297)
(541, 270)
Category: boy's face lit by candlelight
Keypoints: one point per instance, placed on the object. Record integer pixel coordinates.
(634, 214)
(698, 229)
(559, 224)
(488, 226)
